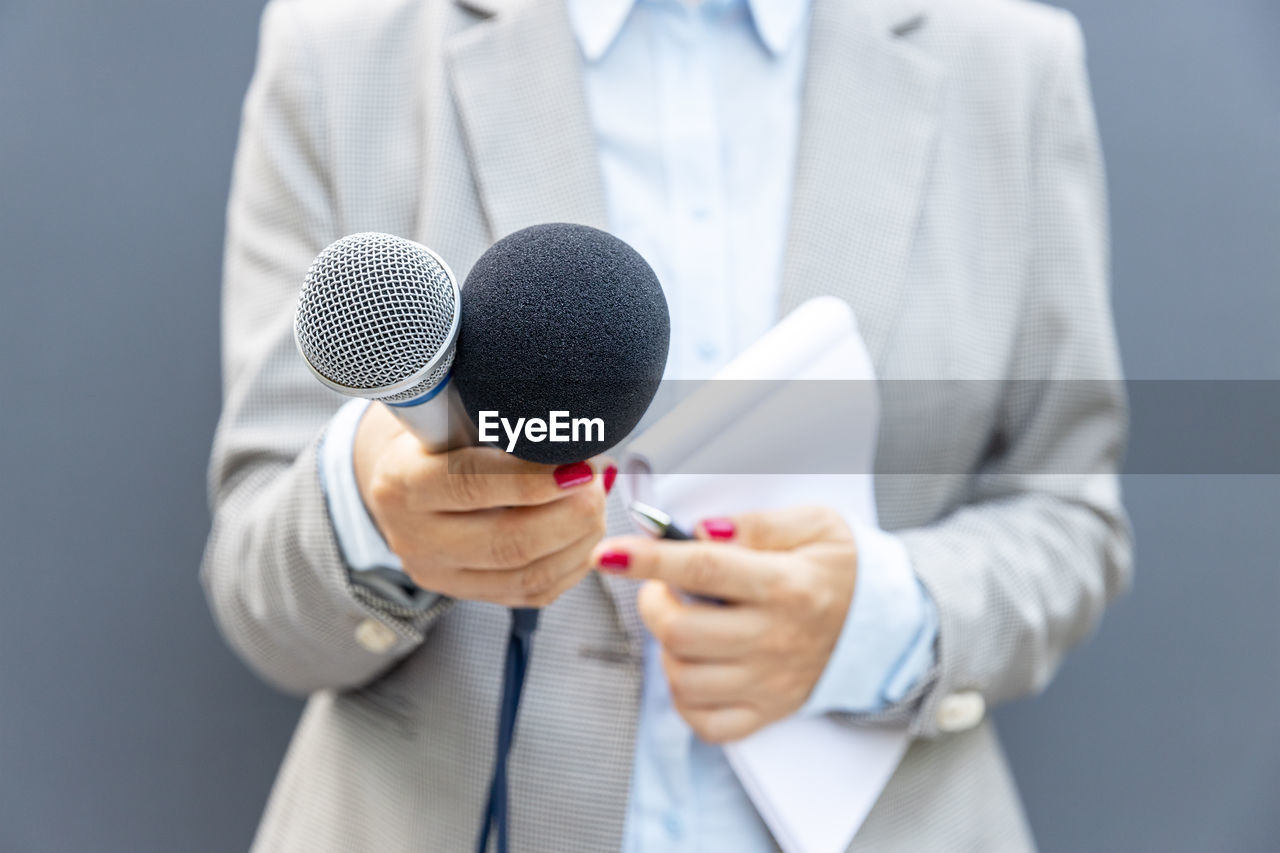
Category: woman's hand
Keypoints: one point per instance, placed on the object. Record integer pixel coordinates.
(786, 579)
(477, 523)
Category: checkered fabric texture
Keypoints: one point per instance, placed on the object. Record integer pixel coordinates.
(949, 187)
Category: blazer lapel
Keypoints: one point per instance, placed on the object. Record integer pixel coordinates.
(867, 133)
(517, 82)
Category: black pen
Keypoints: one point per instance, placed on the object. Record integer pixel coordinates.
(661, 525)
(657, 522)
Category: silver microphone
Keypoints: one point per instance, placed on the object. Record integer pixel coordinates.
(378, 318)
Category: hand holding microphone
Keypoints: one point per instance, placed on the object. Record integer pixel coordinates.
(554, 318)
(476, 523)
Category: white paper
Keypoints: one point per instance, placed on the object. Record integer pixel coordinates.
(812, 779)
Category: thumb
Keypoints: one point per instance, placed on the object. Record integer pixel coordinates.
(774, 530)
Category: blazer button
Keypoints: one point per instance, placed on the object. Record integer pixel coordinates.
(961, 711)
(375, 636)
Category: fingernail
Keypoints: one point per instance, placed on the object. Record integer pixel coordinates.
(719, 528)
(568, 476)
(610, 474)
(614, 561)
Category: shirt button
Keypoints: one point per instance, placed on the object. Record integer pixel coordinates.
(708, 350)
(374, 636)
(701, 212)
(961, 711)
(672, 824)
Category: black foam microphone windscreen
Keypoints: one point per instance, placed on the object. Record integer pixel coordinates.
(560, 318)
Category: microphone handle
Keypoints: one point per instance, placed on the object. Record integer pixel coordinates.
(437, 418)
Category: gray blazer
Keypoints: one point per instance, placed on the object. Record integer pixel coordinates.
(949, 186)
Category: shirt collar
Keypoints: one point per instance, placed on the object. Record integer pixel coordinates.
(778, 21)
(596, 23)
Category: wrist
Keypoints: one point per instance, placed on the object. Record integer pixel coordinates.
(375, 429)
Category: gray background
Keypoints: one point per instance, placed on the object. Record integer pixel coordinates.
(126, 725)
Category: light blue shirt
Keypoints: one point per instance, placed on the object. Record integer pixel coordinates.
(696, 111)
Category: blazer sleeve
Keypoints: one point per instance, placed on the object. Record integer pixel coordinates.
(273, 572)
(1023, 570)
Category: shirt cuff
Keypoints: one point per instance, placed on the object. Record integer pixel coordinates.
(887, 643)
(361, 544)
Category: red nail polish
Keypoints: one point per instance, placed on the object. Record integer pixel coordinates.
(568, 476)
(615, 561)
(719, 528)
(610, 474)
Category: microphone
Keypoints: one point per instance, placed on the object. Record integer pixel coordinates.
(378, 318)
(565, 318)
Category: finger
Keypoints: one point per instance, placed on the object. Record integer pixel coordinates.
(608, 468)
(470, 478)
(696, 632)
(727, 572)
(512, 538)
(775, 530)
(536, 585)
(706, 685)
(722, 724)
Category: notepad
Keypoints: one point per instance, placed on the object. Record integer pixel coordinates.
(769, 432)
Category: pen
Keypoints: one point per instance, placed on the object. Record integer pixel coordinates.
(661, 525)
(657, 522)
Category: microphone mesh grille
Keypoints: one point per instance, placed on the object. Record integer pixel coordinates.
(374, 310)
